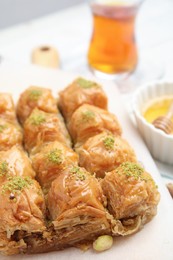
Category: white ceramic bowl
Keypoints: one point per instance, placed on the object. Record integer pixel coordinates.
(159, 143)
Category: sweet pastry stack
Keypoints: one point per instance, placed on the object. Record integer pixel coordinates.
(22, 205)
(59, 187)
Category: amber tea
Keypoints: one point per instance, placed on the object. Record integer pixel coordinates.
(113, 49)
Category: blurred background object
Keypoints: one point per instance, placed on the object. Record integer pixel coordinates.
(18, 11)
(112, 49)
(170, 188)
(46, 56)
(69, 30)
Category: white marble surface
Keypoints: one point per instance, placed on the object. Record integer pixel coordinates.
(70, 31)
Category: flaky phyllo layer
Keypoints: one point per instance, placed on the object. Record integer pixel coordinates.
(59, 190)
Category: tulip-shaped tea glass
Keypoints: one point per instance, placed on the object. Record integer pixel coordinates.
(113, 49)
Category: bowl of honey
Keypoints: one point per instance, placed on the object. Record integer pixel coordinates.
(150, 102)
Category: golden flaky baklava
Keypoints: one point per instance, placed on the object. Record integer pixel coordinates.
(35, 97)
(53, 196)
(41, 127)
(132, 195)
(52, 159)
(80, 92)
(104, 152)
(10, 135)
(76, 205)
(15, 162)
(89, 120)
(7, 110)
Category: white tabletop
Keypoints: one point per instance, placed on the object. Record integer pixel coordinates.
(70, 31)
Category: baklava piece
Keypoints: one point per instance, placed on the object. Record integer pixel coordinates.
(132, 197)
(22, 207)
(42, 127)
(35, 97)
(7, 109)
(52, 159)
(15, 162)
(79, 92)
(104, 152)
(89, 120)
(10, 135)
(75, 202)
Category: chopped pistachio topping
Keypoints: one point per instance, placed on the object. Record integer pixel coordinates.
(16, 184)
(55, 156)
(87, 115)
(40, 193)
(3, 168)
(132, 170)
(35, 94)
(109, 142)
(2, 128)
(37, 119)
(83, 83)
(49, 222)
(77, 171)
